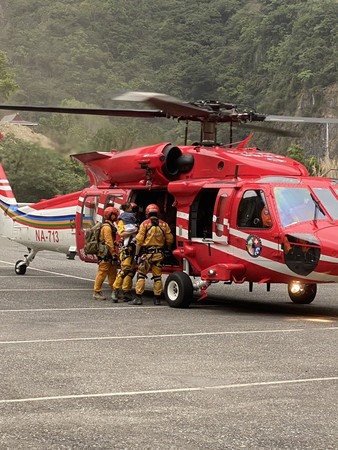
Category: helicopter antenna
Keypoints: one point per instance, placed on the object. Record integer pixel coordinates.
(186, 132)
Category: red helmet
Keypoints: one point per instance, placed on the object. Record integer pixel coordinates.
(109, 212)
(152, 209)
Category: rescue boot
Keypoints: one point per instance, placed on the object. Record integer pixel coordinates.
(127, 296)
(115, 296)
(157, 300)
(99, 296)
(136, 301)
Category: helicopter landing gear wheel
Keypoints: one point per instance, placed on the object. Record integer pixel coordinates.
(20, 267)
(178, 290)
(305, 295)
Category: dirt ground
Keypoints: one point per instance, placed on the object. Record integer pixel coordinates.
(26, 133)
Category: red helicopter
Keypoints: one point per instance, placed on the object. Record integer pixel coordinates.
(238, 214)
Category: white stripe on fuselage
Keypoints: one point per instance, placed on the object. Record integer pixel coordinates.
(9, 200)
(50, 212)
(244, 236)
(182, 215)
(264, 262)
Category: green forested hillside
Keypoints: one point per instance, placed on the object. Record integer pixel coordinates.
(279, 56)
(247, 51)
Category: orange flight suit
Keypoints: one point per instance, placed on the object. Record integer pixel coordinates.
(106, 266)
(153, 239)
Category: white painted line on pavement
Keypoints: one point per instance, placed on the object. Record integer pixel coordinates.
(169, 391)
(46, 289)
(111, 308)
(30, 276)
(153, 336)
(54, 273)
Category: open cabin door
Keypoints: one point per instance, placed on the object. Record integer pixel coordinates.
(90, 209)
(221, 218)
(201, 227)
(209, 224)
(166, 202)
(202, 214)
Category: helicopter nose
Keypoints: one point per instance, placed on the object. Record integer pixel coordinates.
(317, 251)
(329, 249)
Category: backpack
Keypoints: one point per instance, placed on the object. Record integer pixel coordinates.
(93, 245)
(92, 238)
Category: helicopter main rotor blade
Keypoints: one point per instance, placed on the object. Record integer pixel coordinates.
(87, 111)
(270, 130)
(270, 118)
(170, 105)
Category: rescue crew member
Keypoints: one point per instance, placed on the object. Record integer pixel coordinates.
(153, 236)
(266, 218)
(108, 258)
(125, 277)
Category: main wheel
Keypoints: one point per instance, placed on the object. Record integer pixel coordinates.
(20, 267)
(178, 290)
(305, 295)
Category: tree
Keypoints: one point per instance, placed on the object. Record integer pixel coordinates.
(297, 153)
(36, 173)
(7, 82)
(266, 54)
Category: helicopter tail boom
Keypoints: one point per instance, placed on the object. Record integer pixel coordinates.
(7, 201)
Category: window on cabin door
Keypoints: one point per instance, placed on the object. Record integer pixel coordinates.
(220, 213)
(89, 211)
(253, 210)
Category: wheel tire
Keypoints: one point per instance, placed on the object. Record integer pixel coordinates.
(20, 269)
(178, 290)
(305, 297)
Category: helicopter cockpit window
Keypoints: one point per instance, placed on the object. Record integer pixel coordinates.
(253, 211)
(89, 210)
(296, 205)
(336, 190)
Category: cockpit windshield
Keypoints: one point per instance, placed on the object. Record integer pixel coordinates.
(296, 205)
(329, 201)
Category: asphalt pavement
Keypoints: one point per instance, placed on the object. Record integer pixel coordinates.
(241, 370)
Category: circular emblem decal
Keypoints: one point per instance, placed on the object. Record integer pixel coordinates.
(254, 245)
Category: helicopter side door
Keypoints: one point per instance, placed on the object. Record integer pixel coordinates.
(222, 213)
(91, 205)
(255, 231)
(201, 226)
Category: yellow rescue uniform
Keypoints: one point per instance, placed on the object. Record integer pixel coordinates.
(153, 238)
(106, 268)
(124, 278)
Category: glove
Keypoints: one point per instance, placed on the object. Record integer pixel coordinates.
(137, 259)
(114, 260)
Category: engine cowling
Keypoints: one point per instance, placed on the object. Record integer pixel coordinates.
(158, 164)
